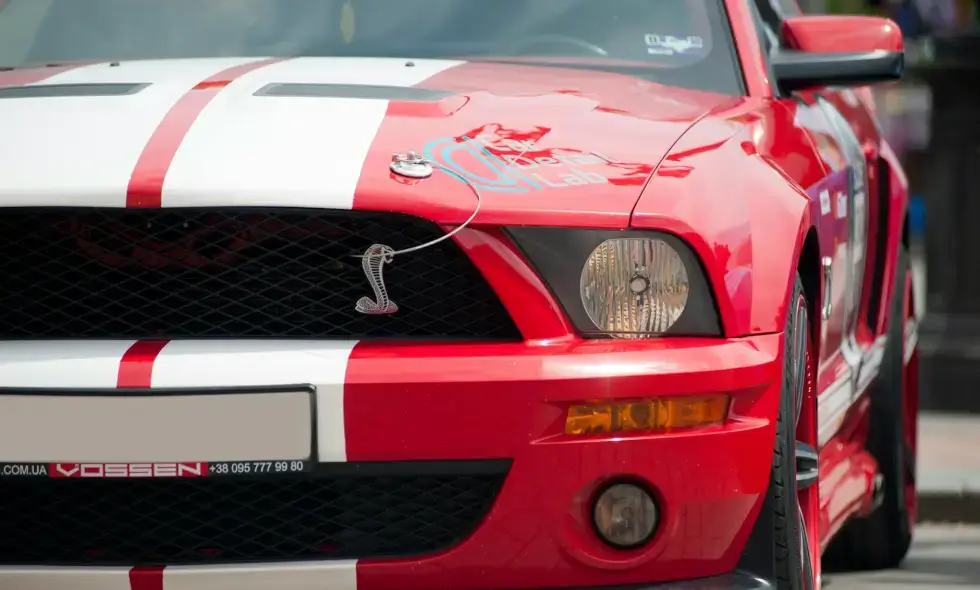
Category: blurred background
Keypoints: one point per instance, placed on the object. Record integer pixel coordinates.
(932, 121)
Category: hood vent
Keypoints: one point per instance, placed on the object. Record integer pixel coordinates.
(70, 90)
(392, 93)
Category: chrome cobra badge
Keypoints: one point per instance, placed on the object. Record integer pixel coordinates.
(373, 261)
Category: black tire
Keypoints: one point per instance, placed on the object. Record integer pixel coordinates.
(882, 540)
(793, 566)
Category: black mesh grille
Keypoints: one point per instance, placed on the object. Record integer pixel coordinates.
(202, 520)
(124, 273)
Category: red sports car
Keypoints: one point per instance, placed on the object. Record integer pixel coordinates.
(449, 295)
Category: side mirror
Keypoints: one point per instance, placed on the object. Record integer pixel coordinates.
(838, 51)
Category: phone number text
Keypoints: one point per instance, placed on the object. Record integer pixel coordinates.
(258, 467)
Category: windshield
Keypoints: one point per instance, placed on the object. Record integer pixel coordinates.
(676, 42)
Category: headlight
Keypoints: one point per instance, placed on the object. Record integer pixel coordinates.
(625, 284)
(634, 286)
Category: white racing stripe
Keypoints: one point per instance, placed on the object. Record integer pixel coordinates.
(287, 151)
(242, 363)
(58, 364)
(64, 578)
(331, 575)
(85, 148)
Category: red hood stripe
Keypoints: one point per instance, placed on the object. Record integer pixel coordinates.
(136, 366)
(146, 183)
(147, 577)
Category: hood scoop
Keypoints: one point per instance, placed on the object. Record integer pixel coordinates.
(70, 90)
(361, 91)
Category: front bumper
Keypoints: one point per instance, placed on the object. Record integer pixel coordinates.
(407, 402)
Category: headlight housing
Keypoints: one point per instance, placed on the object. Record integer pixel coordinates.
(623, 284)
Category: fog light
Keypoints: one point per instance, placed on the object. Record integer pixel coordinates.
(624, 516)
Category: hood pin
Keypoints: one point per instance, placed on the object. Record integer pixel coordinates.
(411, 165)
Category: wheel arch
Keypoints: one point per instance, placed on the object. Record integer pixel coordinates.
(808, 265)
(756, 557)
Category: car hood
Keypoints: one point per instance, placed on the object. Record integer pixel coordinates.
(540, 144)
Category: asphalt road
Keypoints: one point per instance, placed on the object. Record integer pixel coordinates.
(943, 556)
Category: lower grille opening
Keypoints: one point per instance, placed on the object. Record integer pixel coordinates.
(231, 273)
(368, 510)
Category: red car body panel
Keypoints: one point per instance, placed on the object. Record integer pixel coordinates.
(668, 159)
(553, 474)
(525, 115)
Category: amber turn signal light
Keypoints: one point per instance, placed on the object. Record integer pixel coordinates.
(646, 415)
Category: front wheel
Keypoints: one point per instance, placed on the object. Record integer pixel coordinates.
(792, 486)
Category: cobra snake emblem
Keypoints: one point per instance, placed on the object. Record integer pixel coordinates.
(373, 263)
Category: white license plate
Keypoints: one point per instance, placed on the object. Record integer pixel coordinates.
(158, 429)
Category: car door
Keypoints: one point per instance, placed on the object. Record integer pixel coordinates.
(839, 359)
(857, 110)
(855, 215)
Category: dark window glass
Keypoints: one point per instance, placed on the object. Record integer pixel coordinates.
(676, 42)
